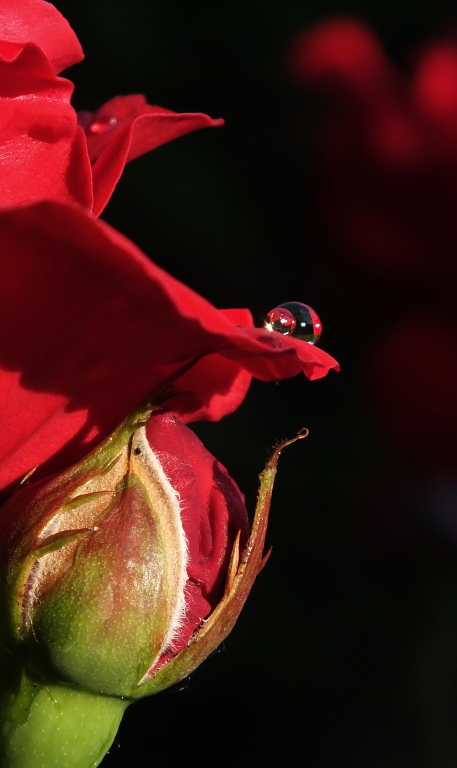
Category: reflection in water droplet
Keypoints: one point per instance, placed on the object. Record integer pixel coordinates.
(280, 320)
(295, 319)
(103, 124)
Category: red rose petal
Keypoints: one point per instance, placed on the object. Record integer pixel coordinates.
(42, 150)
(212, 512)
(89, 327)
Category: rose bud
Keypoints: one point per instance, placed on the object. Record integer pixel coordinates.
(121, 575)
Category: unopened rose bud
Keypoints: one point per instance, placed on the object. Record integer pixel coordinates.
(123, 573)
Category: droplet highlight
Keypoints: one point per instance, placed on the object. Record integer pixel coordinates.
(293, 318)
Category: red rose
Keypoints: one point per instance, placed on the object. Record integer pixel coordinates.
(90, 328)
(126, 554)
(123, 572)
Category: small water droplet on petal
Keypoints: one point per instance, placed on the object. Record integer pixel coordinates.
(293, 318)
(103, 124)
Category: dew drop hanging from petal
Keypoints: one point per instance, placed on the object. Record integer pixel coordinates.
(293, 318)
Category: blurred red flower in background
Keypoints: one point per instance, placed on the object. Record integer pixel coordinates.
(388, 149)
(386, 178)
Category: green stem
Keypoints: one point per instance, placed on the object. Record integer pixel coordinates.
(52, 726)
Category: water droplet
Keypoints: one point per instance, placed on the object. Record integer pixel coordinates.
(295, 319)
(103, 124)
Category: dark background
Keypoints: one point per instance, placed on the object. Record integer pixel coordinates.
(346, 654)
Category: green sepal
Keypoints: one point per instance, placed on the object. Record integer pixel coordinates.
(94, 626)
(22, 541)
(51, 544)
(84, 498)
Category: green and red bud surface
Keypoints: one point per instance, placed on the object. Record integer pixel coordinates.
(99, 601)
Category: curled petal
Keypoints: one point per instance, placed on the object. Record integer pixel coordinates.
(44, 154)
(211, 389)
(126, 127)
